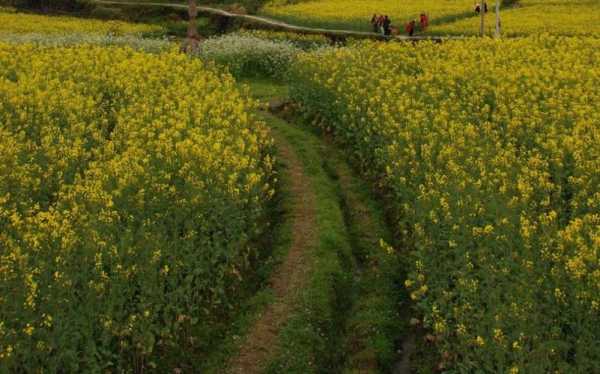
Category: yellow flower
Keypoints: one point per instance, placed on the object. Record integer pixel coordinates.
(479, 341)
(22, 23)
(28, 329)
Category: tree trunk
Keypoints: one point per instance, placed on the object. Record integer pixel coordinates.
(190, 44)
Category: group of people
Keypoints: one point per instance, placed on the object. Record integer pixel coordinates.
(382, 24)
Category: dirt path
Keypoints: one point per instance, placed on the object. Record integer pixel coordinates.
(279, 25)
(261, 341)
(408, 348)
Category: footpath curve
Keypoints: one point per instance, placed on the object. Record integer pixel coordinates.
(279, 25)
(291, 276)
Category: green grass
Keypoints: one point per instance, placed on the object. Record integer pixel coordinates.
(380, 309)
(265, 89)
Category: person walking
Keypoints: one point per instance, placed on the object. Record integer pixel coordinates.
(380, 20)
(386, 25)
(374, 23)
(410, 28)
(424, 20)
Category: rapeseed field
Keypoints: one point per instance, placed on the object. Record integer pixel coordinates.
(136, 189)
(131, 188)
(21, 23)
(532, 17)
(448, 17)
(488, 153)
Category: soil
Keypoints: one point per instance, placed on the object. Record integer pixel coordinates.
(291, 276)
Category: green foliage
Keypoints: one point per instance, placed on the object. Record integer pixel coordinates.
(132, 189)
(107, 13)
(509, 3)
(488, 153)
(374, 323)
(65, 5)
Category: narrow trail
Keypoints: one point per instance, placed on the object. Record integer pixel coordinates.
(334, 256)
(408, 348)
(261, 340)
(279, 25)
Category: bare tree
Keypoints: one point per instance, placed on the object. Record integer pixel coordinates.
(193, 38)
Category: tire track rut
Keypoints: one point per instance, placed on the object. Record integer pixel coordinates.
(290, 277)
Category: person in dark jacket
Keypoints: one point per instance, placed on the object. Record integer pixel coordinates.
(375, 23)
(386, 25)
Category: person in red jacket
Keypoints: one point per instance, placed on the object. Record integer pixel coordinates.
(380, 21)
(424, 21)
(410, 28)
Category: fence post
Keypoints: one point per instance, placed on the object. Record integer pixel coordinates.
(498, 31)
(191, 42)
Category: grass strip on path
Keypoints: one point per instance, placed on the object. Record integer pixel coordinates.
(355, 317)
(291, 276)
